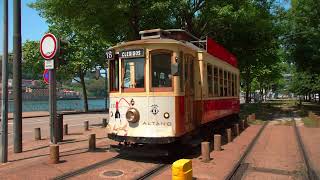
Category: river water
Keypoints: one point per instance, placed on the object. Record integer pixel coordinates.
(62, 105)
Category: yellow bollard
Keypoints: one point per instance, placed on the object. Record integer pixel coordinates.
(182, 169)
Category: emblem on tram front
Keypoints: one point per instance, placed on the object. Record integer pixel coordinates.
(154, 109)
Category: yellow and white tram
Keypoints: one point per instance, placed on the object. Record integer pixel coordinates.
(163, 86)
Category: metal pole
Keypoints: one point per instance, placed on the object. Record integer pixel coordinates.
(53, 105)
(4, 99)
(17, 89)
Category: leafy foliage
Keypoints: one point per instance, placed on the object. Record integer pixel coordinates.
(248, 28)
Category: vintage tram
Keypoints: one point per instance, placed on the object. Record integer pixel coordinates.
(168, 85)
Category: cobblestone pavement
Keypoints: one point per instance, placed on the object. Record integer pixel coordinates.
(275, 156)
(74, 121)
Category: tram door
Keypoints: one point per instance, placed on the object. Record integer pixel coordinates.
(189, 92)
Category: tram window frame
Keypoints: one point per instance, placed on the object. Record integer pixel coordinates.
(209, 80)
(157, 52)
(221, 82)
(134, 89)
(114, 79)
(215, 81)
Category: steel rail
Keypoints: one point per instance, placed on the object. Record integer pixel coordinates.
(311, 174)
(152, 172)
(88, 168)
(235, 173)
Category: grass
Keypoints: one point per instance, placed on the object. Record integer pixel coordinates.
(285, 123)
(256, 122)
(308, 122)
(264, 111)
(281, 108)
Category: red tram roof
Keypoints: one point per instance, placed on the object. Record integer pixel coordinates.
(220, 52)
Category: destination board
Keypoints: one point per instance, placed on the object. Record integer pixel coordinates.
(133, 53)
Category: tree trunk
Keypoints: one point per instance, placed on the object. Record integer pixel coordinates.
(247, 87)
(84, 91)
(248, 93)
(135, 19)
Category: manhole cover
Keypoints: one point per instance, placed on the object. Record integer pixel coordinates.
(112, 173)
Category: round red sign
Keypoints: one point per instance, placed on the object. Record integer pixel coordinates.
(48, 46)
(46, 76)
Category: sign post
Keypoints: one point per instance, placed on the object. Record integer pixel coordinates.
(48, 50)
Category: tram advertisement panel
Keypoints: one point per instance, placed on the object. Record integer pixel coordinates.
(156, 116)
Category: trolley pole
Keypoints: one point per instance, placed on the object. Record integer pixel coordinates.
(17, 89)
(4, 99)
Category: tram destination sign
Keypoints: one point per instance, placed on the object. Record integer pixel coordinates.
(133, 53)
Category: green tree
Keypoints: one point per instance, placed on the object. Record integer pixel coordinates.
(302, 43)
(247, 28)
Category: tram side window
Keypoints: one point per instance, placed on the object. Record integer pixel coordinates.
(133, 73)
(215, 85)
(225, 83)
(236, 84)
(181, 70)
(229, 83)
(209, 80)
(114, 75)
(233, 87)
(221, 81)
(161, 70)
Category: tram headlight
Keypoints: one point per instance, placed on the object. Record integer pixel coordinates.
(166, 115)
(132, 115)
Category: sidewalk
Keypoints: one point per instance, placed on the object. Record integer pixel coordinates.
(33, 162)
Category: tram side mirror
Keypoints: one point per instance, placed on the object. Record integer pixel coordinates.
(175, 69)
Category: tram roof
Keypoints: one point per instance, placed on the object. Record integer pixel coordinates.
(157, 41)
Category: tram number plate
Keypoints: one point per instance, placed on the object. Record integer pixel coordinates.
(110, 55)
(131, 53)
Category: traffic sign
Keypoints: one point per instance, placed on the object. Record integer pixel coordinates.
(48, 46)
(49, 64)
(46, 76)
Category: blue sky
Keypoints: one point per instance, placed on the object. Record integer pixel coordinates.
(32, 25)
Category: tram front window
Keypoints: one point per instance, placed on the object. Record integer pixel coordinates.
(161, 70)
(133, 73)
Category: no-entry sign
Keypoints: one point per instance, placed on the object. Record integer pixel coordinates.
(48, 46)
(46, 76)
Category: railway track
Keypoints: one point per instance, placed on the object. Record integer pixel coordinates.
(88, 168)
(241, 166)
(152, 172)
(311, 174)
(144, 175)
